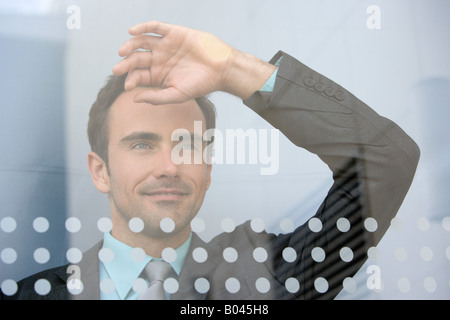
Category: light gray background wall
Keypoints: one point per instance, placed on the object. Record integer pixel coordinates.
(400, 70)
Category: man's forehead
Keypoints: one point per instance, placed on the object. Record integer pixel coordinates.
(125, 112)
(127, 97)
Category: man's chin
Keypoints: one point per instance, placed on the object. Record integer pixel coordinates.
(164, 224)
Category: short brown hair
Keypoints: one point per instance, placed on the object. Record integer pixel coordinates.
(98, 115)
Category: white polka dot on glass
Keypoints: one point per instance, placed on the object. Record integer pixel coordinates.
(397, 224)
(446, 223)
(230, 254)
(404, 285)
(430, 284)
(8, 224)
(42, 287)
(423, 224)
(257, 225)
(73, 225)
(106, 255)
(292, 285)
(262, 285)
(138, 255)
(107, 286)
(321, 285)
(198, 225)
(349, 284)
(8, 255)
(315, 225)
(202, 285)
(289, 254)
(318, 254)
(41, 224)
(169, 255)
(260, 254)
(228, 225)
(200, 255)
(374, 254)
(371, 224)
(167, 225)
(104, 224)
(343, 224)
(74, 255)
(232, 285)
(287, 225)
(41, 255)
(346, 254)
(75, 286)
(426, 253)
(171, 285)
(9, 287)
(136, 224)
(401, 254)
(139, 285)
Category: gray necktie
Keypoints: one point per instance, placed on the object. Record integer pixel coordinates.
(156, 272)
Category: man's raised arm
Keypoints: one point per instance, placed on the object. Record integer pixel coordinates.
(373, 161)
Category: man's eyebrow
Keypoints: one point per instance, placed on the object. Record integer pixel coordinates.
(135, 136)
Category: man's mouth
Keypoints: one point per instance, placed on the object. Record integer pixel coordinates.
(166, 194)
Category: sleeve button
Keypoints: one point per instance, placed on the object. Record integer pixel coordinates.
(308, 82)
(340, 95)
(329, 91)
(319, 87)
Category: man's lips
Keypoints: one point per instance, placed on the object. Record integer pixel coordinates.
(166, 194)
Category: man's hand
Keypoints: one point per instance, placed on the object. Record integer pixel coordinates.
(182, 64)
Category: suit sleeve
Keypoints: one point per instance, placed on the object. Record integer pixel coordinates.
(373, 162)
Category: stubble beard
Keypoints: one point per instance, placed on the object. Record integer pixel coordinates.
(151, 217)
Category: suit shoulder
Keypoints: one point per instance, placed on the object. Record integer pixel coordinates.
(247, 234)
(44, 285)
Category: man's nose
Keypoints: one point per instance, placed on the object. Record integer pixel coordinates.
(164, 166)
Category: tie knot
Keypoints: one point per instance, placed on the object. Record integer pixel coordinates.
(158, 270)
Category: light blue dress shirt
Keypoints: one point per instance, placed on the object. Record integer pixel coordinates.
(122, 265)
(270, 84)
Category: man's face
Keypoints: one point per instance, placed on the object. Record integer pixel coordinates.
(143, 180)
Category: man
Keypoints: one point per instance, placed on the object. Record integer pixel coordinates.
(166, 71)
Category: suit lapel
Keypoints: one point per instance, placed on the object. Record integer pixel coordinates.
(89, 275)
(193, 270)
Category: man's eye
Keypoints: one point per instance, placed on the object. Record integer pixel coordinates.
(140, 146)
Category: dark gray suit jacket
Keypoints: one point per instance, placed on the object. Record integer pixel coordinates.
(373, 163)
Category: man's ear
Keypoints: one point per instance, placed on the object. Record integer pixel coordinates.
(99, 172)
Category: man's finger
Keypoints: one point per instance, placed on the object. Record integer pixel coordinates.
(138, 77)
(136, 60)
(156, 27)
(158, 96)
(139, 42)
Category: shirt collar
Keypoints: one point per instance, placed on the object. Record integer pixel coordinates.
(134, 261)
